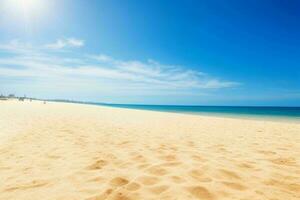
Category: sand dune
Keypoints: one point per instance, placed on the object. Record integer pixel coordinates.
(72, 152)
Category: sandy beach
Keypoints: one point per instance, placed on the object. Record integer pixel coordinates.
(61, 151)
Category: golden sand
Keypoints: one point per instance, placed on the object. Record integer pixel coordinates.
(71, 152)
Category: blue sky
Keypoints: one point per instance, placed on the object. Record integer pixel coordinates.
(213, 52)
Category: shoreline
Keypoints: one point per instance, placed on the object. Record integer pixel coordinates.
(270, 118)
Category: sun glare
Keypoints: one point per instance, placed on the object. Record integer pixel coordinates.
(30, 5)
(25, 9)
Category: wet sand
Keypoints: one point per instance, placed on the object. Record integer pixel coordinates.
(70, 151)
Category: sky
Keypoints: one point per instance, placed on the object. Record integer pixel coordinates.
(209, 52)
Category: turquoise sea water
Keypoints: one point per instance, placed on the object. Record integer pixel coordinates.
(261, 112)
(291, 113)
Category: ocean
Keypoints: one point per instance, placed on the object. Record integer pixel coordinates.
(261, 112)
(291, 113)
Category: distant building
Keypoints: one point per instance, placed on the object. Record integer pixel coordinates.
(2, 97)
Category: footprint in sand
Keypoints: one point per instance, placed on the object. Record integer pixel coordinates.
(177, 179)
(235, 186)
(148, 180)
(139, 158)
(124, 164)
(97, 179)
(158, 171)
(99, 164)
(133, 186)
(199, 176)
(121, 196)
(170, 157)
(284, 161)
(119, 181)
(201, 193)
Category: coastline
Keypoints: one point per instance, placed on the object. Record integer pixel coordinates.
(77, 151)
(276, 118)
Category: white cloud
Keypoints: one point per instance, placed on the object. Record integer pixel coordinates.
(75, 42)
(101, 57)
(101, 71)
(57, 45)
(63, 43)
(15, 46)
(214, 83)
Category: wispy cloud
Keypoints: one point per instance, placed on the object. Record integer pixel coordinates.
(101, 57)
(63, 43)
(44, 64)
(15, 46)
